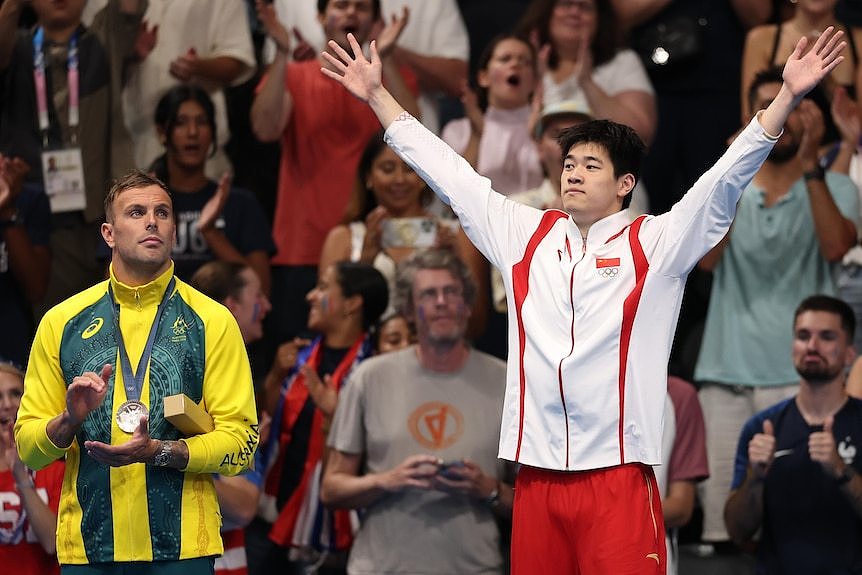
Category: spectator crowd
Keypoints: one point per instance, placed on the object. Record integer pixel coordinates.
(376, 332)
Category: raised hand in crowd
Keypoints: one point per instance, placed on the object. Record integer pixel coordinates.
(214, 207)
(761, 450)
(273, 26)
(145, 40)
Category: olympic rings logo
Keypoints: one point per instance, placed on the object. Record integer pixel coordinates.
(608, 273)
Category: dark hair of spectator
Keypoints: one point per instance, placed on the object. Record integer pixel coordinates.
(485, 60)
(134, 180)
(375, 7)
(831, 305)
(769, 76)
(167, 115)
(219, 280)
(364, 280)
(605, 44)
(622, 144)
(362, 201)
(377, 331)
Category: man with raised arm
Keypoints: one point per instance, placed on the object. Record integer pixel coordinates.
(138, 494)
(593, 301)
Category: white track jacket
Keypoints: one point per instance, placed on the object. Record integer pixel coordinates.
(590, 327)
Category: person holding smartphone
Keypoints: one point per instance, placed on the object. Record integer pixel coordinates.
(414, 437)
(388, 218)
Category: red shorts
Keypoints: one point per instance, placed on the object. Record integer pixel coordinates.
(588, 522)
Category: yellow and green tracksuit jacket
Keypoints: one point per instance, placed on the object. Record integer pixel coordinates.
(140, 512)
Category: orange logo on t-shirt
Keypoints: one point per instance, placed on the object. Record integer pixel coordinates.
(436, 425)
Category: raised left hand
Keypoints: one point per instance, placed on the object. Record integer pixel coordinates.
(821, 448)
(139, 449)
(388, 37)
(212, 210)
(805, 68)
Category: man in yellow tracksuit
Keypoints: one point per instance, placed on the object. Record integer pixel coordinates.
(137, 495)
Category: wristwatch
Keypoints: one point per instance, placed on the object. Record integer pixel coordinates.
(846, 475)
(818, 173)
(493, 498)
(163, 455)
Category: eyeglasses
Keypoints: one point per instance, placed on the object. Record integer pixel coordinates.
(582, 5)
(448, 293)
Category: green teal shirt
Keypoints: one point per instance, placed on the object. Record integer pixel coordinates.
(770, 265)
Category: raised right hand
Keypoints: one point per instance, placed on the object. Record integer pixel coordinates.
(761, 450)
(87, 392)
(273, 26)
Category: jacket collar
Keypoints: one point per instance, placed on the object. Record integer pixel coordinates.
(149, 294)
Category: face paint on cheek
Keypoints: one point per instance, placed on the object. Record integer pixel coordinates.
(324, 303)
(255, 312)
(421, 314)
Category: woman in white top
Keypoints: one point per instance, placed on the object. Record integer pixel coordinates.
(587, 64)
(496, 134)
(388, 190)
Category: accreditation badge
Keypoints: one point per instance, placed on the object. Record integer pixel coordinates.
(63, 172)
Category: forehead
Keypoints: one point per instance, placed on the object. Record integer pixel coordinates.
(330, 275)
(366, 5)
(592, 149)
(191, 108)
(10, 382)
(250, 279)
(395, 324)
(818, 321)
(511, 45)
(148, 195)
(386, 155)
(432, 278)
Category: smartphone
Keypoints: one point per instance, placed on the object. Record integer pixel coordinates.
(446, 469)
(409, 233)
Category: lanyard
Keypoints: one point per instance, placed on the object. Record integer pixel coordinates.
(39, 80)
(134, 381)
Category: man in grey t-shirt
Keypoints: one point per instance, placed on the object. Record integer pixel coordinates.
(425, 422)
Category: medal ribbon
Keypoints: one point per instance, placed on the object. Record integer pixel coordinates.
(41, 90)
(134, 381)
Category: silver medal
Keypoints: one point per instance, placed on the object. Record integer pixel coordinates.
(129, 415)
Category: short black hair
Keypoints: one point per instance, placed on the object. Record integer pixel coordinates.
(134, 180)
(364, 280)
(622, 144)
(830, 304)
(772, 75)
